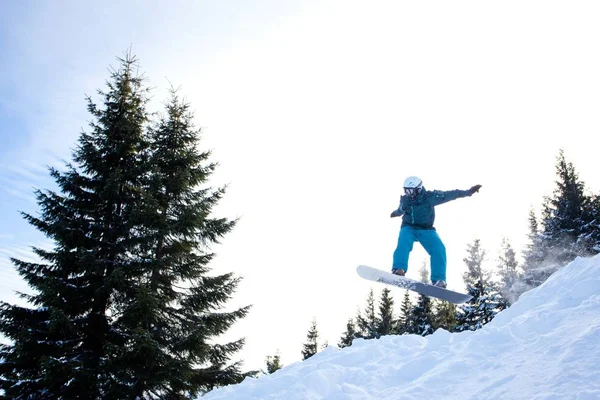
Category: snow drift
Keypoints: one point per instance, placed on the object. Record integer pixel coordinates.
(545, 346)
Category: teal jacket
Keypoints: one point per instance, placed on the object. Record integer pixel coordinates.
(419, 212)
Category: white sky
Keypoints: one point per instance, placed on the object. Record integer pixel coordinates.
(545, 346)
(316, 112)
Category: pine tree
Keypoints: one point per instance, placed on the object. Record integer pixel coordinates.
(422, 319)
(385, 323)
(367, 324)
(570, 227)
(562, 219)
(404, 321)
(486, 300)
(475, 271)
(486, 303)
(533, 257)
(311, 346)
(169, 312)
(588, 242)
(273, 363)
(533, 253)
(445, 316)
(349, 335)
(62, 347)
(563, 212)
(508, 272)
(123, 307)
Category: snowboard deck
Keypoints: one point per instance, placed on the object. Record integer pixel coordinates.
(377, 275)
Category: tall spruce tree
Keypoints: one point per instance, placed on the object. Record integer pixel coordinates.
(311, 347)
(563, 211)
(122, 307)
(569, 227)
(386, 325)
(64, 345)
(170, 312)
(562, 219)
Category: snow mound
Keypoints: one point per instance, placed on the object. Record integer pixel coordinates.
(545, 346)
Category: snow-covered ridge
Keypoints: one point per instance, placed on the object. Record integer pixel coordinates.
(545, 346)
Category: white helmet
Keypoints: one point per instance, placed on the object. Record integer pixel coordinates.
(412, 186)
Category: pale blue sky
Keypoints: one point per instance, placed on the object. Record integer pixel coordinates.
(316, 112)
(55, 53)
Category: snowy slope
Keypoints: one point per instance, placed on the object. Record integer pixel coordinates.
(546, 346)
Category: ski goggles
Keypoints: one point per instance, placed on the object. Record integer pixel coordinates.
(412, 191)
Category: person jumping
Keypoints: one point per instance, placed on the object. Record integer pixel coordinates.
(418, 214)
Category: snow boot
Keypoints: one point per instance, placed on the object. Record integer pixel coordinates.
(440, 283)
(399, 271)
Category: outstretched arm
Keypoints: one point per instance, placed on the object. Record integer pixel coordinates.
(440, 197)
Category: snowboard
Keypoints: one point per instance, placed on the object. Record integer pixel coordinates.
(377, 275)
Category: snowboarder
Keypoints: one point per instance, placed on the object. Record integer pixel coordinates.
(418, 214)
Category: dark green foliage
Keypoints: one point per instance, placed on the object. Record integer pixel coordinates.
(588, 242)
(422, 319)
(371, 325)
(367, 323)
(273, 363)
(311, 346)
(169, 313)
(386, 325)
(349, 335)
(569, 227)
(406, 307)
(445, 315)
(562, 214)
(68, 336)
(123, 306)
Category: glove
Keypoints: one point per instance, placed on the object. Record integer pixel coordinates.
(395, 213)
(474, 189)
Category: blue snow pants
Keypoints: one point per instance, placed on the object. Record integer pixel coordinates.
(432, 244)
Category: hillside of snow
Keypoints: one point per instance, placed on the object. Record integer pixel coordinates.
(545, 346)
